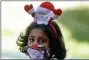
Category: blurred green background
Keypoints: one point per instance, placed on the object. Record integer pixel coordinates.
(74, 24)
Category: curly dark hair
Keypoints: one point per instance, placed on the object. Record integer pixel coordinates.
(57, 46)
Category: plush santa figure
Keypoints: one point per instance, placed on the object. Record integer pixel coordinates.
(43, 14)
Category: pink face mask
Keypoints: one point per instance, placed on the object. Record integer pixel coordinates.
(37, 52)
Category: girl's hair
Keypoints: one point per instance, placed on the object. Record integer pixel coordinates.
(57, 46)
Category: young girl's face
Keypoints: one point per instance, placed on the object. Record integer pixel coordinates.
(38, 37)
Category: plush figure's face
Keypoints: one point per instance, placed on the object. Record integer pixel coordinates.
(42, 17)
(38, 44)
(42, 14)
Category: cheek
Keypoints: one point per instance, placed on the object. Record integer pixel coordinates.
(46, 44)
(29, 44)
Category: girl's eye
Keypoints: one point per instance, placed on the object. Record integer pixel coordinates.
(42, 41)
(31, 40)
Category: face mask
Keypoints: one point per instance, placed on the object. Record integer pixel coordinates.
(38, 52)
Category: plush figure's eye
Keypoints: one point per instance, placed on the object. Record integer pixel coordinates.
(41, 13)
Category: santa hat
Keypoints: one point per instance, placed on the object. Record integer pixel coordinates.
(45, 7)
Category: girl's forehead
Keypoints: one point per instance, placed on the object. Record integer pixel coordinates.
(38, 32)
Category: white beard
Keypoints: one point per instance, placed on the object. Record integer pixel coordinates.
(42, 19)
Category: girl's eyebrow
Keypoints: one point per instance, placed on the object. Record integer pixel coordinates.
(31, 36)
(43, 37)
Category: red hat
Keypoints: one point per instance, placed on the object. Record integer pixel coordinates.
(46, 7)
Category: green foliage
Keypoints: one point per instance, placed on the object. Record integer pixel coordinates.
(74, 23)
(77, 21)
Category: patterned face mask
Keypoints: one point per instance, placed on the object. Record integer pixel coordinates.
(38, 52)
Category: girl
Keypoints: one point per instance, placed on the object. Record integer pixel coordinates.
(43, 38)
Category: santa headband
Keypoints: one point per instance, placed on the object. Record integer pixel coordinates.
(44, 14)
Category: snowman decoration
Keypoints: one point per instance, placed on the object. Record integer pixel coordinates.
(43, 14)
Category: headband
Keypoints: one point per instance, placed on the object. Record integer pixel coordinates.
(55, 32)
(44, 14)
